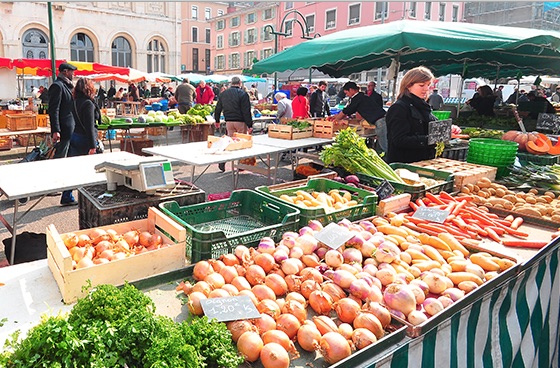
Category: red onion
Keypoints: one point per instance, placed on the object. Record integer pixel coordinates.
(399, 297)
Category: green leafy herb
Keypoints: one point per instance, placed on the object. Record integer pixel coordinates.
(299, 124)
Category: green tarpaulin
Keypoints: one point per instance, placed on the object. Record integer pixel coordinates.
(433, 44)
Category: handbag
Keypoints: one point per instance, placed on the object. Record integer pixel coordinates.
(99, 147)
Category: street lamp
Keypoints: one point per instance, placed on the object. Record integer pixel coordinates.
(283, 32)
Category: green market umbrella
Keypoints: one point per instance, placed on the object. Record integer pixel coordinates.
(414, 43)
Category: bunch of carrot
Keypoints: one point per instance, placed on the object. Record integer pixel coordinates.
(467, 222)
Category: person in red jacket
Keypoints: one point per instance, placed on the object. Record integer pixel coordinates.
(204, 94)
(300, 105)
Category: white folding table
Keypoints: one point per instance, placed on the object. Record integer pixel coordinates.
(292, 144)
(39, 178)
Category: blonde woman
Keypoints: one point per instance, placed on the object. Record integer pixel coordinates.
(407, 119)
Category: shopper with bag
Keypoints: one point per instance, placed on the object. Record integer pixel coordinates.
(86, 114)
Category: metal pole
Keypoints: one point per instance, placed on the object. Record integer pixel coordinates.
(51, 35)
(275, 73)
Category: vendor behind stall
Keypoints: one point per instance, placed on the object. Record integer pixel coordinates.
(542, 105)
(483, 101)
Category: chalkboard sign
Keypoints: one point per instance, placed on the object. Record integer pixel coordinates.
(549, 122)
(231, 308)
(384, 190)
(439, 131)
(431, 214)
(334, 235)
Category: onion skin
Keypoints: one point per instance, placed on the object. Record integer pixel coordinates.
(201, 270)
(347, 310)
(274, 355)
(194, 303)
(281, 338)
(334, 347)
(320, 302)
(296, 309)
(250, 345)
(335, 291)
(369, 321)
(238, 328)
(362, 337)
(324, 324)
(308, 337)
(269, 307)
(277, 283)
(289, 324)
(309, 286)
(378, 310)
(400, 298)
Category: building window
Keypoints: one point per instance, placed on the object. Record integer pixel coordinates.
(220, 62)
(354, 14)
(381, 9)
(234, 61)
(331, 19)
(81, 48)
(156, 56)
(248, 59)
(289, 27)
(234, 22)
(441, 12)
(428, 10)
(412, 10)
(250, 36)
(310, 20)
(220, 42)
(207, 13)
(195, 59)
(266, 34)
(268, 14)
(194, 12)
(207, 34)
(455, 13)
(221, 24)
(121, 52)
(207, 60)
(194, 34)
(266, 53)
(251, 18)
(234, 39)
(289, 5)
(35, 44)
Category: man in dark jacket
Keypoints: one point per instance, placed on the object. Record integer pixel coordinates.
(318, 103)
(236, 106)
(185, 96)
(61, 106)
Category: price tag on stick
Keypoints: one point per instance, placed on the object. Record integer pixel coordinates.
(431, 214)
(384, 190)
(230, 308)
(334, 235)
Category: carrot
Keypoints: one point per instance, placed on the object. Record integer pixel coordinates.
(480, 216)
(498, 230)
(414, 227)
(458, 208)
(431, 227)
(442, 228)
(415, 220)
(445, 195)
(450, 207)
(413, 205)
(513, 232)
(420, 203)
(492, 235)
(459, 222)
(433, 198)
(516, 223)
(534, 244)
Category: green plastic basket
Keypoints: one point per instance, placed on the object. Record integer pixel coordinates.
(441, 115)
(367, 201)
(416, 191)
(217, 227)
(492, 152)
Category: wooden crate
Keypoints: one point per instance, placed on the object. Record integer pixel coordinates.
(246, 141)
(135, 145)
(288, 132)
(24, 139)
(156, 131)
(6, 143)
(110, 112)
(133, 268)
(327, 129)
(21, 122)
(43, 120)
(465, 173)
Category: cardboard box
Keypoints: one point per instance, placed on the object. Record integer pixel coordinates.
(132, 268)
(284, 131)
(21, 122)
(246, 141)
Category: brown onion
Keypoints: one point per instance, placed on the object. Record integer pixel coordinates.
(308, 337)
(218, 293)
(291, 266)
(324, 324)
(131, 237)
(345, 329)
(265, 323)
(308, 286)
(232, 290)
(335, 291)
(243, 255)
(70, 240)
(311, 273)
(281, 338)
(274, 355)
(241, 283)
(296, 308)
(289, 324)
(369, 321)
(255, 275)
(203, 287)
(277, 283)
(250, 294)
(228, 273)
(311, 260)
(96, 235)
(238, 328)
(194, 303)
(269, 307)
(250, 345)
(201, 270)
(378, 310)
(229, 259)
(320, 302)
(266, 261)
(334, 347)
(215, 280)
(83, 240)
(297, 297)
(216, 264)
(362, 337)
(347, 310)
(293, 282)
(262, 292)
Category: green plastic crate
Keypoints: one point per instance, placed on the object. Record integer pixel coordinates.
(367, 201)
(416, 191)
(538, 159)
(217, 227)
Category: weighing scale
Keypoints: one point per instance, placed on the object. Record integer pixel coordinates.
(145, 174)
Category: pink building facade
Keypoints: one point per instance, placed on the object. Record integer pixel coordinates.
(242, 36)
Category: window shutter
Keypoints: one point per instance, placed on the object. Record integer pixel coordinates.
(246, 36)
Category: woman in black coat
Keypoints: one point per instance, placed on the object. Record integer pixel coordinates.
(407, 119)
(86, 114)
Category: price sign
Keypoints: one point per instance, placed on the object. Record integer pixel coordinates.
(431, 214)
(384, 190)
(439, 131)
(231, 308)
(549, 122)
(334, 235)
